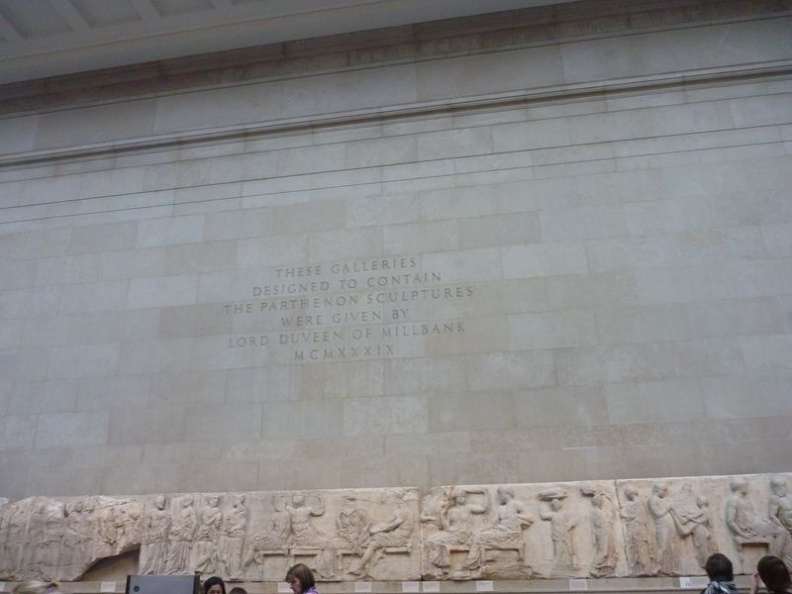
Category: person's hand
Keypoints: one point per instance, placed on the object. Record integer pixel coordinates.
(754, 584)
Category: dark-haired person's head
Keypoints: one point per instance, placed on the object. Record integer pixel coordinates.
(214, 585)
(774, 574)
(238, 590)
(719, 568)
(300, 578)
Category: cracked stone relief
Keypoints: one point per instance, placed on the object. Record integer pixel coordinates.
(595, 529)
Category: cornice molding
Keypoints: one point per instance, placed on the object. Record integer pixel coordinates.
(466, 105)
(462, 36)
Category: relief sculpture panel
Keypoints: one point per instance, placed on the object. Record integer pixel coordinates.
(625, 528)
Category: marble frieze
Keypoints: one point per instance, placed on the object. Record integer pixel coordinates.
(596, 529)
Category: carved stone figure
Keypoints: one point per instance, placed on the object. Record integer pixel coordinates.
(280, 524)
(394, 532)
(638, 540)
(35, 536)
(780, 504)
(602, 523)
(154, 548)
(467, 532)
(204, 553)
(456, 529)
(183, 526)
(17, 537)
(276, 539)
(505, 531)
(127, 524)
(105, 545)
(305, 534)
(562, 526)
(352, 525)
(695, 520)
(4, 542)
(741, 517)
(75, 554)
(659, 505)
(232, 537)
(44, 534)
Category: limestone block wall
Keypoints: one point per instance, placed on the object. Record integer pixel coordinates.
(589, 530)
(540, 247)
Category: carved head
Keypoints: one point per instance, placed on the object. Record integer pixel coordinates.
(458, 496)
(739, 486)
(779, 486)
(660, 489)
(505, 494)
(279, 502)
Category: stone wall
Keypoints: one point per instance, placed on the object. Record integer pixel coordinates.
(539, 247)
(601, 529)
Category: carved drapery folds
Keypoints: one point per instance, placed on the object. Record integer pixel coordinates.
(593, 529)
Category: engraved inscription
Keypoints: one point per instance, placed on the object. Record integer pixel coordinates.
(363, 309)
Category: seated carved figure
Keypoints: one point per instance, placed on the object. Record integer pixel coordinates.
(780, 504)
(504, 532)
(456, 528)
(395, 532)
(742, 519)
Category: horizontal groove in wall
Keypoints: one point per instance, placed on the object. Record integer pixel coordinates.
(547, 96)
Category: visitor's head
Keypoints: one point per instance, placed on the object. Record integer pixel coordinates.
(774, 574)
(300, 578)
(238, 590)
(214, 585)
(719, 568)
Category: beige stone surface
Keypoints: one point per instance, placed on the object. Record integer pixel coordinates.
(551, 247)
(590, 530)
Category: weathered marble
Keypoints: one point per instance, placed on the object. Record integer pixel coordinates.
(593, 529)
